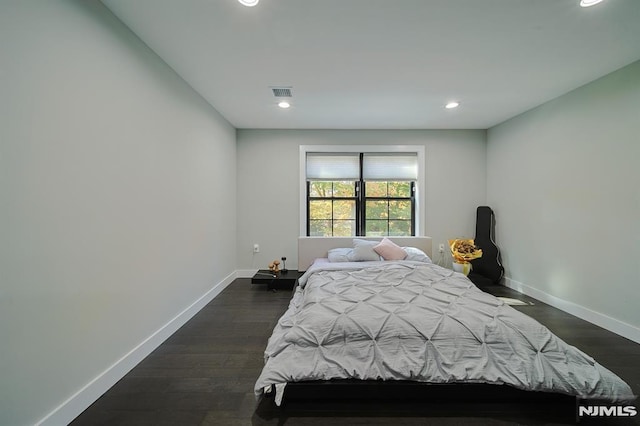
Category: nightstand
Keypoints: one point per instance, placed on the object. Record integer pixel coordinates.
(281, 280)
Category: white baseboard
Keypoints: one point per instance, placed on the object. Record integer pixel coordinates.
(615, 326)
(81, 400)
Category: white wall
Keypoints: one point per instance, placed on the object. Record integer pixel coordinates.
(268, 184)
(117, 185)
(563, 179)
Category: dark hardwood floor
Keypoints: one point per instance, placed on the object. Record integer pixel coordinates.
(204, 375)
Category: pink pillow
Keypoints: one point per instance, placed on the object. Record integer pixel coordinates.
(390, 250)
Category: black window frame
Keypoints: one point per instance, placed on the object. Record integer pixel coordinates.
(360, 204)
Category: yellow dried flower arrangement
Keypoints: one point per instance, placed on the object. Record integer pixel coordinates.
(463, 250)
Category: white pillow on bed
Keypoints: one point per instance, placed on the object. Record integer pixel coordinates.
(340, 255)
(345, 254)
(390, 250)
(363, 251)
(416, 255)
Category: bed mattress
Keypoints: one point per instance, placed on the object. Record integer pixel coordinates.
(420, 322)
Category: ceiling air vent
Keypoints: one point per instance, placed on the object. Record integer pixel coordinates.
(282, 92)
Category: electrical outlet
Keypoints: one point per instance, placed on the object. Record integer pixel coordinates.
(256, 248)
(441, 248)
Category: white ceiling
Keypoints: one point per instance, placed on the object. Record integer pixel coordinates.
(384, 64)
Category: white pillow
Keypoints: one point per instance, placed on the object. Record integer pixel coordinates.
(363, 251)
(416, 255)
(339, 255)
(389, 250)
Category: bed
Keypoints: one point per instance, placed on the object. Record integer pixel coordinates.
(354, 324)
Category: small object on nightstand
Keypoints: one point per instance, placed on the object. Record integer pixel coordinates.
(274, 266)
(284, 265)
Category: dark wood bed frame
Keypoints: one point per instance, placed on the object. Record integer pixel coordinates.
(403, 390)
(365, 398)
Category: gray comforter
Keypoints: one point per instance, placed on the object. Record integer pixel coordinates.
(414, 321)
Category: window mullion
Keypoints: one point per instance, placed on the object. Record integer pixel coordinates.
(308, 207)
(333, 194)
(413, 207)
(361, 227)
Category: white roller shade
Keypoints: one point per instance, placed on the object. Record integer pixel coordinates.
(390, 167)
(323, 166)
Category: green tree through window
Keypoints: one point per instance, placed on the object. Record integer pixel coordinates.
(332, 208)
(339, 208)
(388, 208)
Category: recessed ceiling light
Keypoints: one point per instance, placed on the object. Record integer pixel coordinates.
(249, 3)
(452, 105)
(284, 104)
(588, 3)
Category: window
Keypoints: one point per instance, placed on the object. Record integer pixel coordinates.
(361, 194)
(389, 208)
(332, 208)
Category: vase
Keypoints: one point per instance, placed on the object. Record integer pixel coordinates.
(463, 268)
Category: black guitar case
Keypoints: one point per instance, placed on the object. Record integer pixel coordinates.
(488, 269)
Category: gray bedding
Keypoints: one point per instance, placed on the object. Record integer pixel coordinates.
(414, 321)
